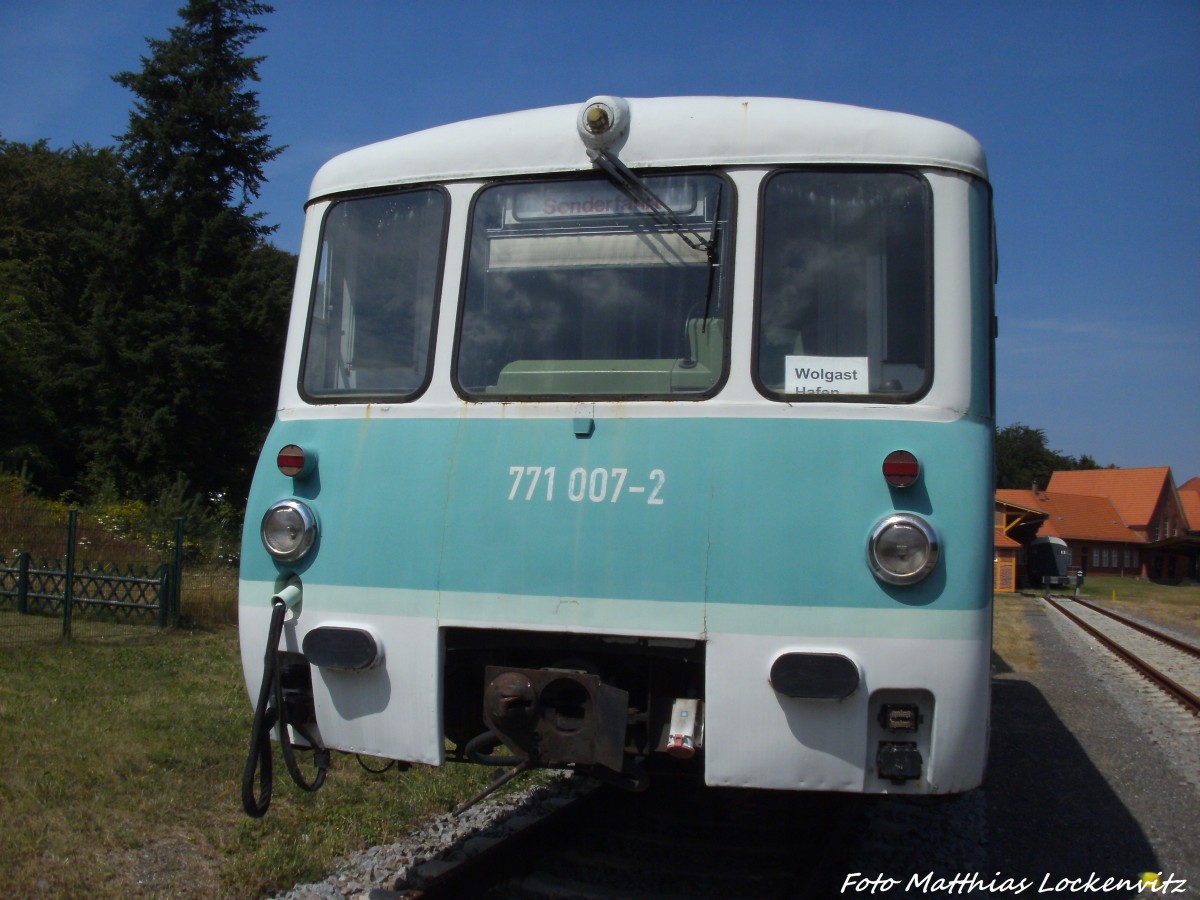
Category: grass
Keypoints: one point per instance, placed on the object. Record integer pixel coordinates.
(1012, 636)
(208, 595)
(123, 770)
(1177, 605)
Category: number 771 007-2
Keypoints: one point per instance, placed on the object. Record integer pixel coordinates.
(533, 483)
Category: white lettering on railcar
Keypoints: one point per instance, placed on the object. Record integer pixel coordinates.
(599, 485)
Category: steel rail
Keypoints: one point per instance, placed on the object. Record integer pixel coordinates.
(676, 840)
(1172, 687)
(491, 863)
(1175, 642)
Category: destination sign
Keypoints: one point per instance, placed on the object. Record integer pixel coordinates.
(593, 199)
(826, 375)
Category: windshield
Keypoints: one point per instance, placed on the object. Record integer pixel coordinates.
(370, 327)
(845, 286)
(574, 289)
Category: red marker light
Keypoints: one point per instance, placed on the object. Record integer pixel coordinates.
(901, 469)
(291, 460)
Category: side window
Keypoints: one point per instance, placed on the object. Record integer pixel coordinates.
(371, 318)
(845, 287)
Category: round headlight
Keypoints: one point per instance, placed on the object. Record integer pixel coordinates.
(603, 121)
(903, 549)
(288, 530)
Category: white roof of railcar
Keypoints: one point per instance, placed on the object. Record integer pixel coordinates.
(663, 132)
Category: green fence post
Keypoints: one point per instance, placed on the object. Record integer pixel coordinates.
(69, 575)
(165, 589)
(23, 581)
(177, 574)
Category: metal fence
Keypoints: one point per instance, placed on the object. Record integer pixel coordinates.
(64, 589)
(50, 591)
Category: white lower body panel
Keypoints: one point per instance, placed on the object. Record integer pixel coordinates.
(754, 736)
(757, 737)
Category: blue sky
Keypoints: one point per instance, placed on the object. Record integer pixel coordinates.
(1089, 112)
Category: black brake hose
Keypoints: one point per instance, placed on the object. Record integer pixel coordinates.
(259, 760)
(320, 757)
(268, 712)
(478, 750)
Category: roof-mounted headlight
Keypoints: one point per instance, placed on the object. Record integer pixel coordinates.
(289, 529)
(903, 549)
(603, 121)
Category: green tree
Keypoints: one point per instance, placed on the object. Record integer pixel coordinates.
(195, 143)
(26, 346)
(1023, 458)
(65, 236)
(200, 344)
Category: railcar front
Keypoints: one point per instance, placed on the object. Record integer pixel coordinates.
(649, 431)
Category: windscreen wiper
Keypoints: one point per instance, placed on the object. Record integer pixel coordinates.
(636, 190)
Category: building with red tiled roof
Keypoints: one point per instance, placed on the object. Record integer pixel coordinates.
(1189, 499)
(1097, 536)
(1119, 521)
(1075, 517)
(1145, 498)
(1015, 527)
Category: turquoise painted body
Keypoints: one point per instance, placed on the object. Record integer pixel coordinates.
(702, 511)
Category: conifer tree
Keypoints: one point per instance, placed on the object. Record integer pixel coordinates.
(201, 344)
(195, 137)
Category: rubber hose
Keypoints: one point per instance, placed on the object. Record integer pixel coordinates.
(477, 751)
(259, 760)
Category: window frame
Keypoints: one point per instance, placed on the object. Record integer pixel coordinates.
(727, 251)
(369, 396)
(893, 399)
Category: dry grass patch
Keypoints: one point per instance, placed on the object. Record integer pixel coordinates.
(1172, 604)
(1012, 635)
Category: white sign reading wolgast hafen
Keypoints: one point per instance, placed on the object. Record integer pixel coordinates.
(826, 375)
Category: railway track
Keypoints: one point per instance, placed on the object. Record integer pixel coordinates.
(675, 840)
(1171, 664)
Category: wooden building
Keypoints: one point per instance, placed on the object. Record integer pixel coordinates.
(1130, 522)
